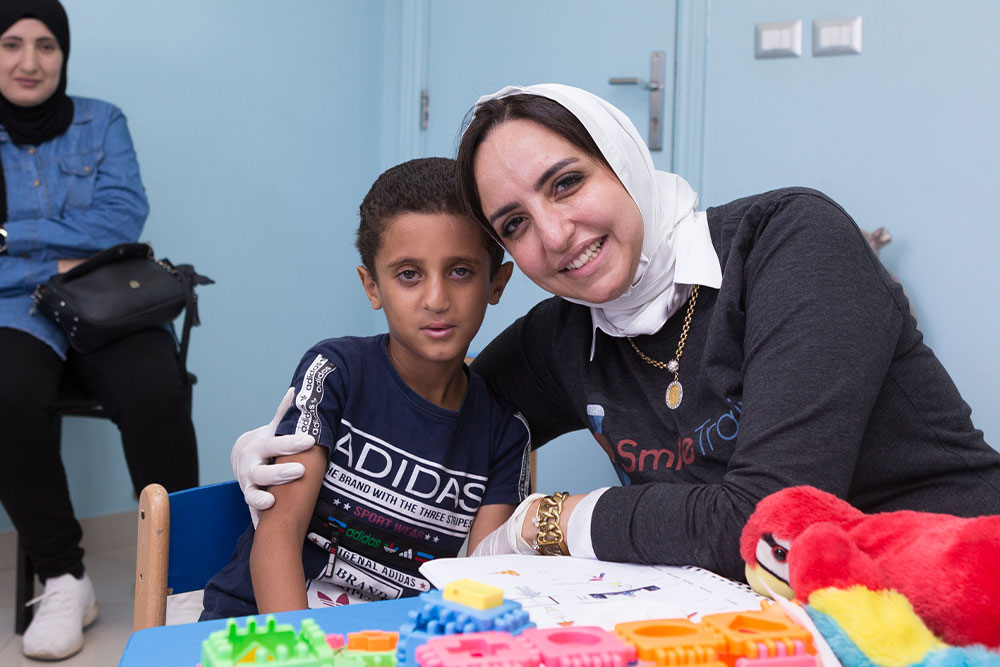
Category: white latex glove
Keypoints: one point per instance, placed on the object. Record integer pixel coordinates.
(506, 539)
(253, 452)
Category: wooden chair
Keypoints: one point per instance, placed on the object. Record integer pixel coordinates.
(184, 538)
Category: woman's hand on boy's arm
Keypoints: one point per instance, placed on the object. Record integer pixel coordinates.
(253, 452)
(516, 534)
(276, 557)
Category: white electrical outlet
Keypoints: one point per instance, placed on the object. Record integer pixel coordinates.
(834, 37)
(779, 39)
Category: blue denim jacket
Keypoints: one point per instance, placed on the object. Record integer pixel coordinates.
(66, 198)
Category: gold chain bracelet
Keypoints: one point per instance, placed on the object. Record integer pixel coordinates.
(550, 540)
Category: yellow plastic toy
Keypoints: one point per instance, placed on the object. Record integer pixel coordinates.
(473, 594)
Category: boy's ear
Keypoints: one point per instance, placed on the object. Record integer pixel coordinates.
(500, 280)
(371, 288)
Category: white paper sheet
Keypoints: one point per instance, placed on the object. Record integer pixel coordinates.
(578, 591)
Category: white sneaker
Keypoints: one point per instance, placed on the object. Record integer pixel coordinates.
(65, 608)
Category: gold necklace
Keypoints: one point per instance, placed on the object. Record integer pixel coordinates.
(675, 392)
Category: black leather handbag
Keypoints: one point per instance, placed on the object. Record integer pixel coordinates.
(118, 292)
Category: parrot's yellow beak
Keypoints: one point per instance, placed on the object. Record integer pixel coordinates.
(758, 576)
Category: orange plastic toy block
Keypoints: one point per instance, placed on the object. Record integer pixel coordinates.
(675, 641)
(372, 641)
(768, 633)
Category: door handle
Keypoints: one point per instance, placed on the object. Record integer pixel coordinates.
(655, 88)
(634, 81)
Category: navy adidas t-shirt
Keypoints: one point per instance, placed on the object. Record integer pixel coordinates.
(403, 482)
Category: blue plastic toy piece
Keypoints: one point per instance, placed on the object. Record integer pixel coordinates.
(438, 617)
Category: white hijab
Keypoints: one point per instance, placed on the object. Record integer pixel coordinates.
(666, 201)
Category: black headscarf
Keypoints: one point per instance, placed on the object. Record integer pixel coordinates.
(37, 124)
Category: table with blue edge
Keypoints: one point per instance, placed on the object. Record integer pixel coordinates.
(180, 645)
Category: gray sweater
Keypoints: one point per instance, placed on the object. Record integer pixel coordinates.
(805, 367)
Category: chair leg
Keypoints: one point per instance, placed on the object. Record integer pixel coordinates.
(25, 590)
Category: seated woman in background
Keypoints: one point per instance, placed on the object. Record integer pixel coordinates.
(69, 187)
(716, 356)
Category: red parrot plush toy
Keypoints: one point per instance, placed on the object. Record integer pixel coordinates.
(801, 539)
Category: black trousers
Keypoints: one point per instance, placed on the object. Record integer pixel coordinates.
(138, 381)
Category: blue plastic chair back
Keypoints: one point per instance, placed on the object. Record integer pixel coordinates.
(205, 523)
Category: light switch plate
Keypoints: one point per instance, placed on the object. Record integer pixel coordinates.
(837, 37)
(779, 39)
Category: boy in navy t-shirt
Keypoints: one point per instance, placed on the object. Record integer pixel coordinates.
(412, 455)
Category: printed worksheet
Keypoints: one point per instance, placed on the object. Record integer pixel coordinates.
(564, 591)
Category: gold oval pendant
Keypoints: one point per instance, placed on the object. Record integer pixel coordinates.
(675, 393)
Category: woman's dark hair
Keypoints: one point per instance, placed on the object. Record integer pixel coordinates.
(489, 115)
(424, 185)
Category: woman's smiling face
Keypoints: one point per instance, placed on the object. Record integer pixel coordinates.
(30, 63)
(564, 217)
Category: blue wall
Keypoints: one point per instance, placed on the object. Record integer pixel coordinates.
(904, 135)
(259, 130)
(258, 133)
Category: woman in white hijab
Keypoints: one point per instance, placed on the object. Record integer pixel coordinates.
(716, 356)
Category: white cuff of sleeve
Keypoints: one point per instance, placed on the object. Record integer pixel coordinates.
(578, 540)
(516, 521)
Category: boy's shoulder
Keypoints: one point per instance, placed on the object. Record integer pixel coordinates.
(344, 357)
(347, 348)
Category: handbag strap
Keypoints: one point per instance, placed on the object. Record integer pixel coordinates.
(189, 278)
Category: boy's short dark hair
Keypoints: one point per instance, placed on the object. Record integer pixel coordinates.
(423, 185)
